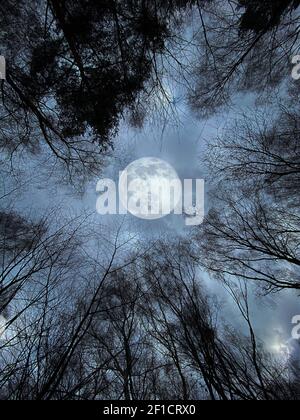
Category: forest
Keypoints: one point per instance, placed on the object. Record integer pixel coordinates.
(114, 308)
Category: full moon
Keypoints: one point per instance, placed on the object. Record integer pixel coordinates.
(150, 188)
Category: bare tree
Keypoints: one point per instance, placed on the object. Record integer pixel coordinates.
(244, 46)
(252, 230)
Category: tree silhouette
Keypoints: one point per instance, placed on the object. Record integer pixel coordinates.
(74, 67)
(250, 51)
(89, 311)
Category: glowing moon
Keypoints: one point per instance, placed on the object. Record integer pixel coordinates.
(150, 188)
